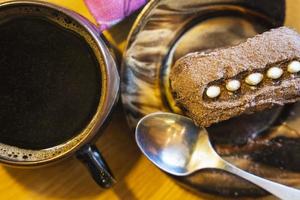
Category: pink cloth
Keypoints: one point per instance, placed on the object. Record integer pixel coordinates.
(110, 12)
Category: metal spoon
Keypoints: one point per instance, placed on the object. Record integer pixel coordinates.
(175, 145)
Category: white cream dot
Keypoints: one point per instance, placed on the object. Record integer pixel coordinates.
(294, 67)
(233, 85)
(254, 78)
(274, 72)
(213, 91)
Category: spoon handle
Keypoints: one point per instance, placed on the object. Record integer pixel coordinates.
(278, 190)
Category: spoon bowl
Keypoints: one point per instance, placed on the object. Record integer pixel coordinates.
(177, 146)
(174, 144)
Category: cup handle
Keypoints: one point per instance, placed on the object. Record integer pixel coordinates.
(90, 156)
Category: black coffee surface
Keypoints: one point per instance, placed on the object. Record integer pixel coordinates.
(49, 83)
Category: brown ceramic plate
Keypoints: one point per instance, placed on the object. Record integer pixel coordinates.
(267, 143)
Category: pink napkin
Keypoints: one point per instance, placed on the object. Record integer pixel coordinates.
(110, 12)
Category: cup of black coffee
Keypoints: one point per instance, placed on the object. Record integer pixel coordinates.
(58, 85)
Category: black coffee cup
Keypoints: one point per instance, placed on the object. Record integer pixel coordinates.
(59, 83)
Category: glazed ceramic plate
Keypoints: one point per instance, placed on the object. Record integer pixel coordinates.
(267, 143)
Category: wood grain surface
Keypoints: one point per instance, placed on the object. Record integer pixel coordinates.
(137, 177)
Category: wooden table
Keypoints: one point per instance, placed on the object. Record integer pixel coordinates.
(137, 177)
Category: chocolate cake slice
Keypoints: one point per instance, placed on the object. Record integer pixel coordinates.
(250, 77)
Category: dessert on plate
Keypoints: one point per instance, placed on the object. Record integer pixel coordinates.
(255, 75)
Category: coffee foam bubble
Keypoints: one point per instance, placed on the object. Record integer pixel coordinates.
(15, 154)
